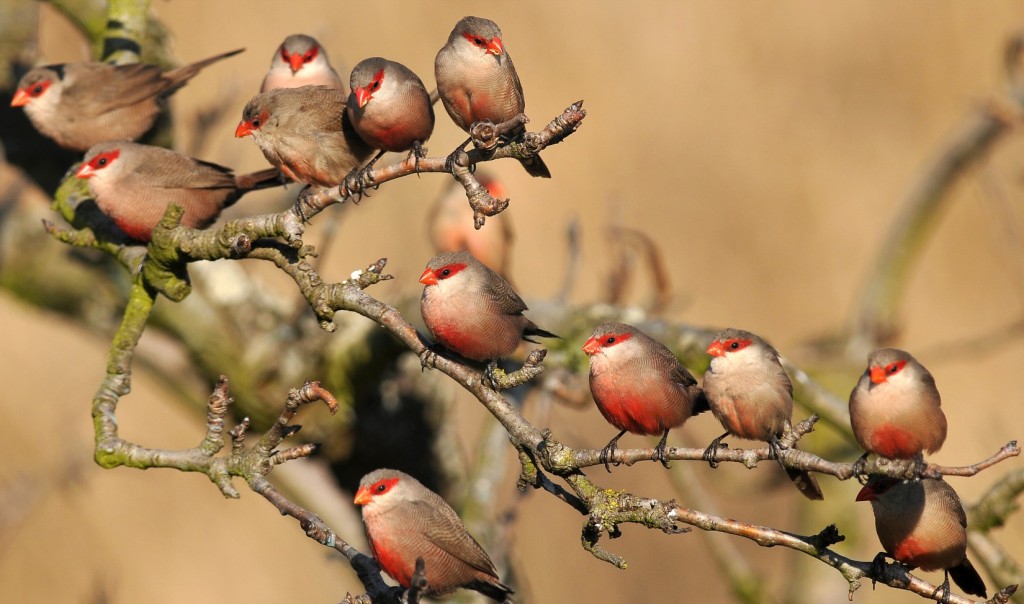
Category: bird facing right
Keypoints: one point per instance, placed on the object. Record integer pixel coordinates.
(478, 82)
(405, 520)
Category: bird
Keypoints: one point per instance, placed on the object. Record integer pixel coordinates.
(750, 393)
(305, 132)
(451, 229)
(301, 61)
(81, 104)
(472, 310)
(895, 407)
(389, 107)
(133, 184)
(478, 82)
(405, 520)
(639, 385)
(922, 524)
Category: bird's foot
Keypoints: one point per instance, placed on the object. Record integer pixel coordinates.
(457, 157)
(495, 376)
(711, 452)
(859, 468)
(606, 456)
(776, 448)
(302, 202)
(878, 565)
(418, 152)
(428, 358)
(660, 453)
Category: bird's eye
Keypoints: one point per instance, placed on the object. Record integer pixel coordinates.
(101, 162)
(446, 272)
(892, 368)
(38, 89)
(375, 86)
(256, 123)
(734, 345)
(610, 340)
(306, 58)
(382, 487)
(479, 41)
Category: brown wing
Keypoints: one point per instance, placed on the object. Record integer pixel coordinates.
(445, 530)
(97, 87)
(173, 171)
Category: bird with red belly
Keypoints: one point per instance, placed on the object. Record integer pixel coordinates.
(472, 310)
(751, 395)
(922, 524)
(478, 82)
(405, 520)
(133, 184)
(895, 408)
(639, 386)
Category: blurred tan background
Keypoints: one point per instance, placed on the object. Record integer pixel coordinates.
(765, 147)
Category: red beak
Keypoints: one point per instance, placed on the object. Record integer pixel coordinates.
(592, 347)
(878, 375)
(363, 496)
(716, 349)
(866, 494)
(296, 61)
(428, 277)
(495, 47)
(20, 98)
(85, 171)
(362, 96)
(243, 129)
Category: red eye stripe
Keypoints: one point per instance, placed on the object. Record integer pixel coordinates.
(450, 270)
(722, 347)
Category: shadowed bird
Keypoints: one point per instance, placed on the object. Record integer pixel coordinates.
(639, 385)
(405, 520)
(133, 184)
(81, 104)
(922, 524)
(751, 395)
(478, 82)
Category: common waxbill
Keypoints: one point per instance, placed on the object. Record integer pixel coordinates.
(389, 107)
(405, 520)
(477, 80)
(922, 524)
(895, 407)
(472, 310)
(301, 61)
(751, 395)
(305, 132)
(639, 385)
(81, 104)
(133, 184)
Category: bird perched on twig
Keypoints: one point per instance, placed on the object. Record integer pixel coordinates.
(301, 61)
(81, 104)
(405, 520)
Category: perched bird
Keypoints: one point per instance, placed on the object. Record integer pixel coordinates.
(133, 184)
(405, 520)
(477, 80)
(81, 104)
(301, 61)
(389, 107)
(305, 132)
(639, 385)
(450, 225)
(894, 408)
(472, 310)
(922, 524)
(751, 395)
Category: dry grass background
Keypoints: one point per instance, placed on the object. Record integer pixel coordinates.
(764, 146)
